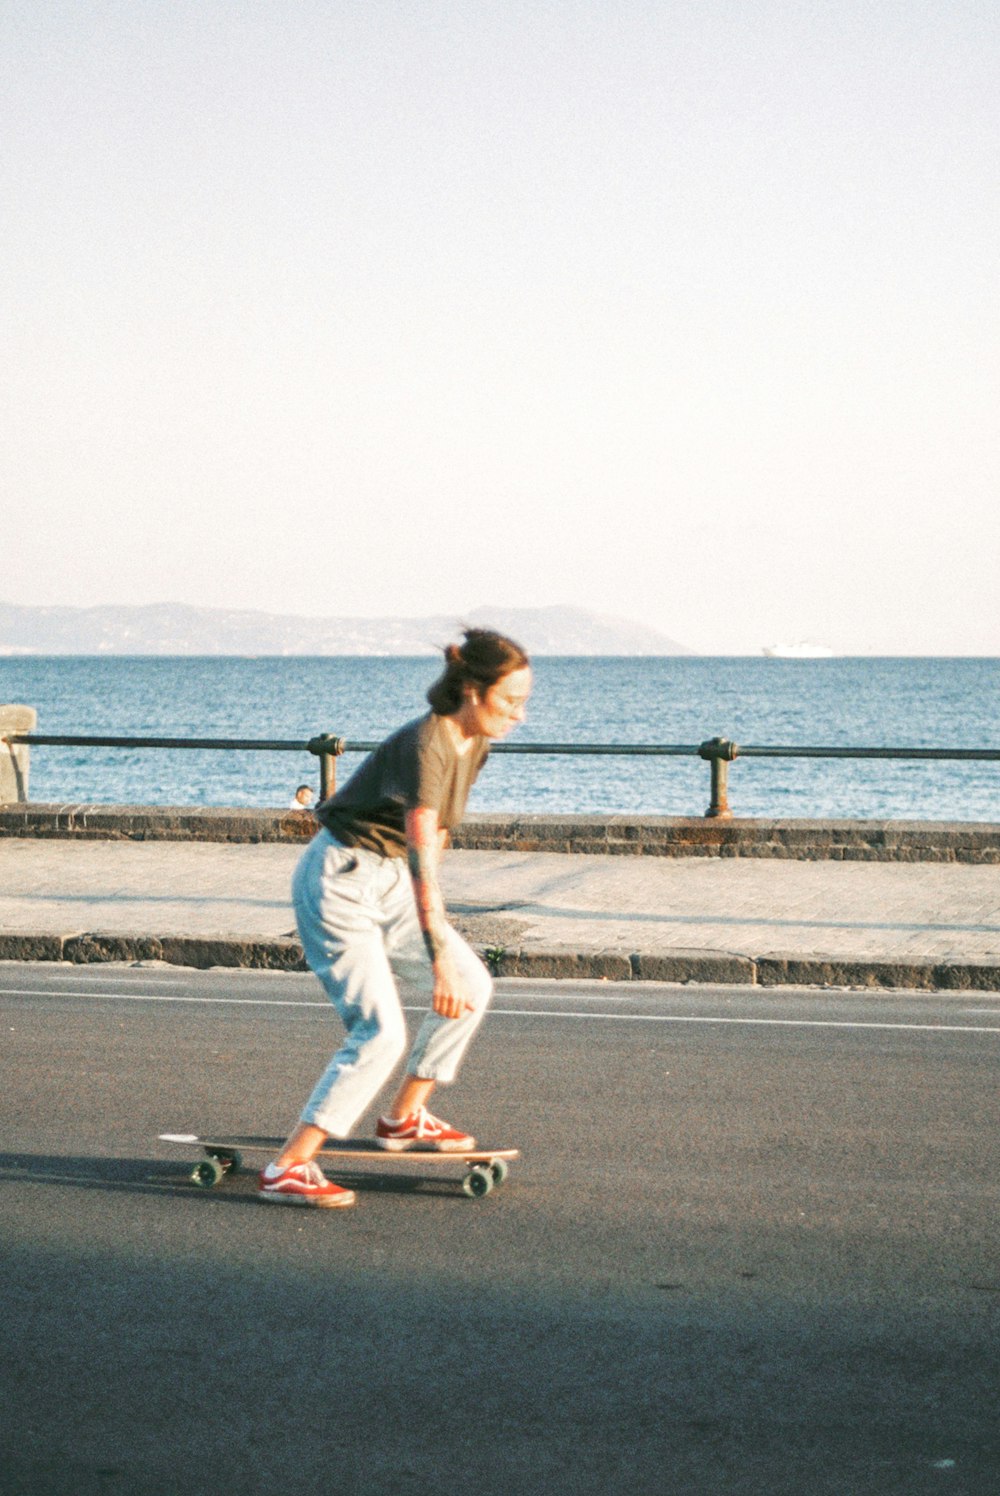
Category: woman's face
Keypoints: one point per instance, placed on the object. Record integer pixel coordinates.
(496, 711)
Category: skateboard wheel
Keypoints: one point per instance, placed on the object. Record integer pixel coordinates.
(478, 1181)
(207, 1173)
(499, 1168)
(230, 1158)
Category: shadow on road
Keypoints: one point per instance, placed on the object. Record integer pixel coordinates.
(187, 1368)
(146, 1176)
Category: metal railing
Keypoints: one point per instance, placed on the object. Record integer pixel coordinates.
(718, 752)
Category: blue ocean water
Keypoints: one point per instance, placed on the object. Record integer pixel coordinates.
(845, 702)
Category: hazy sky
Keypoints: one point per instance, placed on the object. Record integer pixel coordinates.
(685, 311)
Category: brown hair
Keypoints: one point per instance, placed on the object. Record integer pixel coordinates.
(481, 660)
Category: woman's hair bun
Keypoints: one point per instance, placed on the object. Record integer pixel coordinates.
(484, 658)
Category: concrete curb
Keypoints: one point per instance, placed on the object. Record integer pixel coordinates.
(201, 951)
(694, 966)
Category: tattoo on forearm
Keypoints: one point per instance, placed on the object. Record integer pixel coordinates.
(423, 844)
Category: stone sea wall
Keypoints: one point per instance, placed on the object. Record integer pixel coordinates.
(622, 835)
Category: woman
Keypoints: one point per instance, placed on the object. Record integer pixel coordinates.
(369, 909)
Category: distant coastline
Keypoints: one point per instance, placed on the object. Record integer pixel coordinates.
(180, 631)
(175, 629)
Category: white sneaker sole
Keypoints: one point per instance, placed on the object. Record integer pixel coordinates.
(321, 1202)
(426, 1145)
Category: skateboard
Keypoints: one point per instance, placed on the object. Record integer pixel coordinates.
(485, 1168)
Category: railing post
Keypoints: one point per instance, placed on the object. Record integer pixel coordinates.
(720, 752)
(328, 747)
(15, 757)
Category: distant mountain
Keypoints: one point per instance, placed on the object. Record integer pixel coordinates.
(176, 629)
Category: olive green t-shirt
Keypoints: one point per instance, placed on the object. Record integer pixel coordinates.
(418, 765)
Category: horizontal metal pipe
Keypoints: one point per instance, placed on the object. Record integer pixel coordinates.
(636, 750)
(988, 754)
(281, 745)
(628, 750)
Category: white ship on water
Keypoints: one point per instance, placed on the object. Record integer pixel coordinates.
(803, 650)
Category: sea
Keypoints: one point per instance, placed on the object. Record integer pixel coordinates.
(846, 702)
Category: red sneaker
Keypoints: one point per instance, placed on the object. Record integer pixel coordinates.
(302, 1184)
(421, 1131)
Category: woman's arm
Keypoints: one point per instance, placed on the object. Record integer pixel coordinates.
(425, 841)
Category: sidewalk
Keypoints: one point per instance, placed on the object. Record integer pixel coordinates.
(743, 920)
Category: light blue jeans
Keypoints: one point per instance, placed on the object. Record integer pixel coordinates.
(357, 920)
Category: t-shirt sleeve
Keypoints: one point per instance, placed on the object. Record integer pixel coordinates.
(430, 783)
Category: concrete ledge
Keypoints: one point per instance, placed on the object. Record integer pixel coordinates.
(642, 836)
(694, 966)
(15, 762)
(155, 823)
(32, 947)
(95, 946)
(267, 955)
(605, 966)
(959, 976)
(969, 976)
(716, 967)
(679, 836)
(793, 971)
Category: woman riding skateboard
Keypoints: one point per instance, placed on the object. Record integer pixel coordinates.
(369, 909)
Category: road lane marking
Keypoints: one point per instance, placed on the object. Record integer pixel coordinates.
(848, 1023)
(270, 1002)
(155, 997)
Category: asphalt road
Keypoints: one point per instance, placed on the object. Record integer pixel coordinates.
(751, 1247)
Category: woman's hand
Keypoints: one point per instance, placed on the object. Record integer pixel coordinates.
(449, 998)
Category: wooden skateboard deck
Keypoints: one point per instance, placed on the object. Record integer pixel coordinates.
(485, 1168)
